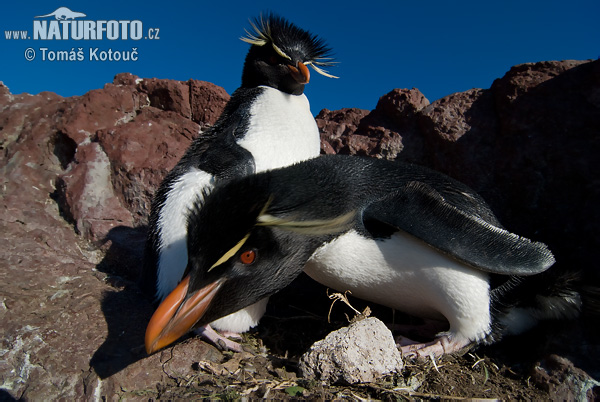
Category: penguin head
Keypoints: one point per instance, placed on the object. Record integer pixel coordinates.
(244, 244)
(280, 55)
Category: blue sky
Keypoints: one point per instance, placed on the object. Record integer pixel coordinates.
(439, 47)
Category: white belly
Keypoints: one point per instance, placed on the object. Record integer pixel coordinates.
(282, 131)
(406, 274)
(173, 223)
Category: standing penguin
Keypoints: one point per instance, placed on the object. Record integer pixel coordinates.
(392, 233)
(266, 124)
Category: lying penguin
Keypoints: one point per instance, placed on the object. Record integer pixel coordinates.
(266, 124)
(392, 233)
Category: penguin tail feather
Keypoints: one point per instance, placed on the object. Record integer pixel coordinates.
(590, 296)
(522, 302)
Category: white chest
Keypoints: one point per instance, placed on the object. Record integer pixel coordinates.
(173, 223)
(406, 274)
(282, 131)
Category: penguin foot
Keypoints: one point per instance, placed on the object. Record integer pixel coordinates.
(231, 334)
(402, 341)
(219, 340)
(438, 347)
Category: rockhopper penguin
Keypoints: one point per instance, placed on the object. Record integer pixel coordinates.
(266, 124)
(392, 233)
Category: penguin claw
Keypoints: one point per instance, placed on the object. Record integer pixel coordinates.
(436, 348)
(231, 334)
(402, 341)
(219, 340)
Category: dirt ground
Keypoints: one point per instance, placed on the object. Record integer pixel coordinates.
(297, 317)
(259, 376)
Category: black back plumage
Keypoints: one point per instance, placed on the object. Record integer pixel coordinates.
(355, 192)
(426, 204)
(459, 229)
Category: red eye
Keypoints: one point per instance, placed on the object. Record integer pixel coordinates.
(248, 257)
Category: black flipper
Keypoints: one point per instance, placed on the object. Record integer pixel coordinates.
(418, 209)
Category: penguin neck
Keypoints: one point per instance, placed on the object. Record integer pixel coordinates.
(242, 320)
(281, 130)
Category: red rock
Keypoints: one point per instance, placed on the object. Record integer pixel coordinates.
(401, 105)
(90, 196)
(378, 132)
(168, 95)
(346, 132)
(142, 152)
(54, 300)
(127, 79)
(336, 126)
(5, 95)
(31, 146)
(561, 379)
(141, 143)
(544, 166)
(60, 312)
(100, 109)
(207, 101)
(521, 78)
(458, 136)
(451, 117)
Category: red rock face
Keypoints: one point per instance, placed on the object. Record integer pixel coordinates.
(377, 133)
(206, 101)
(80, 171)
(114, 144)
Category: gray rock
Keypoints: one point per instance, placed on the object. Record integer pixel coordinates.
(361, 352)
(561, 379)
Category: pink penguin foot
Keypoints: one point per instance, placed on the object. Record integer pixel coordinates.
(219, 340)
(438, 347)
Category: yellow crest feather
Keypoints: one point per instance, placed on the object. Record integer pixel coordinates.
(309, 227)
(320, 70)
(230, 253)
(260, 36)
(280, 52)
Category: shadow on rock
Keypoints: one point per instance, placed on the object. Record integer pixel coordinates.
(6, 396)
(126, 309)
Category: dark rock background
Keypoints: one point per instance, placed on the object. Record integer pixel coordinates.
(78, 175)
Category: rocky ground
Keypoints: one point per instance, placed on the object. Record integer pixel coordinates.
(77, 178)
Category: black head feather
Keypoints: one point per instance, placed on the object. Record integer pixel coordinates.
(277, 43)
(291, 40)
(224, 225)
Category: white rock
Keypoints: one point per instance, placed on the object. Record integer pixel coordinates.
(361, 352)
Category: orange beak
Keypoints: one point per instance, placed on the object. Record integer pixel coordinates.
(300, 73)
(176, 315)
